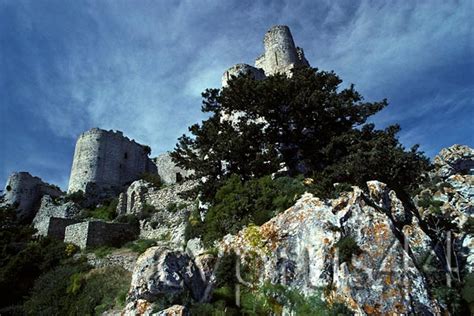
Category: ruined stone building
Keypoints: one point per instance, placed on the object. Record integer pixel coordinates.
(24, 192)
(280, 56)
(106, 161)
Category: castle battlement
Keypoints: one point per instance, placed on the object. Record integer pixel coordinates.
(107, 161)
(280, 56)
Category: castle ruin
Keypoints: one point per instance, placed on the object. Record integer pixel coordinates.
(106, 161)
(24, 191)
(280, 56)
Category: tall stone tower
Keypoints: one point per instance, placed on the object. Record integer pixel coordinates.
(280, 56)
(105, 161)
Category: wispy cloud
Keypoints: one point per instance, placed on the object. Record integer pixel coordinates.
(140, 66)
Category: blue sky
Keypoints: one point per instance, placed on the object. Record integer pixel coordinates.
(140, 66)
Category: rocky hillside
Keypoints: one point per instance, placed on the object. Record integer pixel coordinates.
(366, 250)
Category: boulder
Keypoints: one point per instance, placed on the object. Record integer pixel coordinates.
(163, 277)
(457, 159)
(306, 247)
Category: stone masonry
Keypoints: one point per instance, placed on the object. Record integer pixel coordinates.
(98, 233)
(24, 192)
(106, 161)
(168, 171)
(280, 56)
(53, 213)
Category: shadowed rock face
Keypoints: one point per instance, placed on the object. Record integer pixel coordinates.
(162, 274)
(299, 248)
(24, 192)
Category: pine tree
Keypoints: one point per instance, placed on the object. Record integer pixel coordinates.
(305, 123)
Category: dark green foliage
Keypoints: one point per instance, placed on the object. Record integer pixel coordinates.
(128, 219)
(146, 211)
(106, 211)
(312, 127)
(102, 251)
(140, 245)
(239, 203)
(449, 298)
(73, 290)
(433, 205)
(347, 247)
(23, 257)
(172, 207)
(76, 197)
(154, 179)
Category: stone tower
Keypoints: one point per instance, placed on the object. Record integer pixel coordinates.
(105, 161)
(280, 56)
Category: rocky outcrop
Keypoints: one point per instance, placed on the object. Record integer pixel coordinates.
(166, 211)
(163, 277)
(307, 247)
(51, 209)
(24, 191)
(457, 159)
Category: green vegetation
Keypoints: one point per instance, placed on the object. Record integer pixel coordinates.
(347, 247)
(106, 211)
(154, 179)
(76, 290)
(23, 258)
(312, 127)
(76, 197)
(239, 203)
(140, 245)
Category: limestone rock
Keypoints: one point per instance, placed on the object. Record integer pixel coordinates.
(457, 159)
(175, 310)
(299, 248)
(454, 190)
(163, 275)
(24, 192)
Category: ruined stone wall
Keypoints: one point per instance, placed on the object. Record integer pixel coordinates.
(108, 160)
(98, 233)
(168, 171)
(56, 227)
(242, 69)
(24, 191)
(49, 209)
(281, 54)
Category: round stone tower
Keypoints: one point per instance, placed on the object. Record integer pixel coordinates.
(281, 54)
(105, 161)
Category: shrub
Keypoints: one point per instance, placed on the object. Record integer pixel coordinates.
(140, 245)
(76, 197)
(172, 207)
(106, 211)
(346, 247)
(73, 290)
(240, 203)
(146, 211)
(153, 179)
